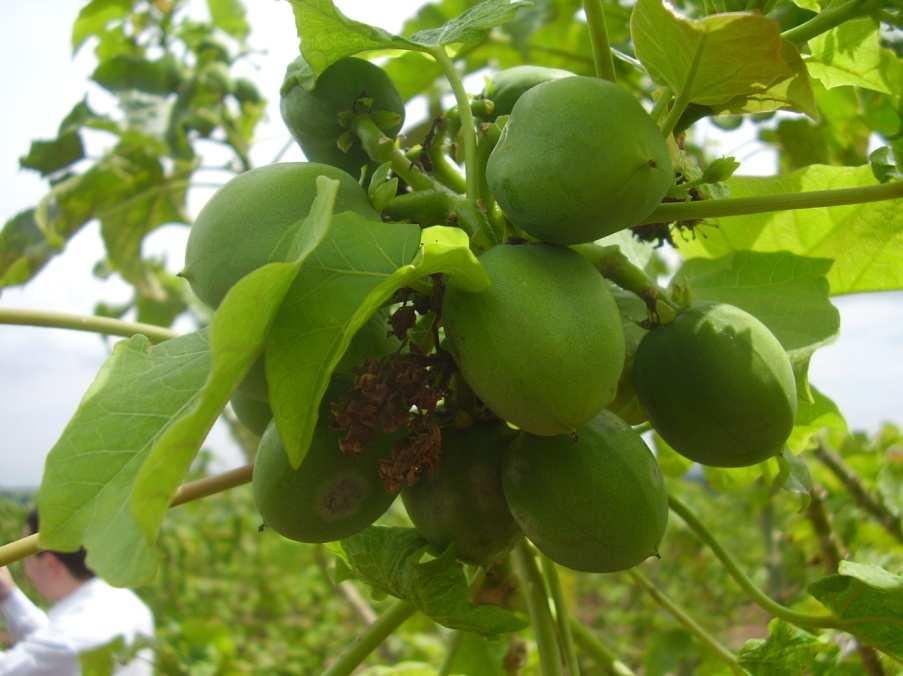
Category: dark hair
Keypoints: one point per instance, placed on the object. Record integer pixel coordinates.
(73, 561)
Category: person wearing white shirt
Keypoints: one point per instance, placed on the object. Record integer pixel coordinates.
(86, 613)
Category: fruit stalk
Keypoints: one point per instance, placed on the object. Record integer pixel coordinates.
(688, 622)
(381, 148)
(741, 206)
(467, 125)
(733, 568)
(826, 20)
(598, 37)
(598, 650)
(372, 637)
(562, 616)
(534, 591)
(106, 326)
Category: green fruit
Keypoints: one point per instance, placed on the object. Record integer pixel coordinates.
(543, 345)
(318, 117)
(717, 385)
(244, 225)
(594, 503)
(507, 86)
(461, 502)
(579, 159)
(252, 413)
(330, 497)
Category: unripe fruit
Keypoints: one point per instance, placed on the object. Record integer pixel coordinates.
(543, 345)
(595, 503)
(252, 413)
(244, 224)
(507, 86)
(579, 160)
(461, 502)
(329, 497)
(717, 385)
(318, 117)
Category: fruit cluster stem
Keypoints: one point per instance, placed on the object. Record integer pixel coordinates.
(600, 652)
(380, 148)
(686, 621)
(371, 638)
(562, 615)
(534, 590)
(598, 37)
(733, 568)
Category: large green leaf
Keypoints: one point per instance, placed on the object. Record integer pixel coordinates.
(237, 333)
(229, 15)
(23, 249)
(358, 269)
(714, 59)
(849, 55)
(869, 600)
(865, 240)
(48, 157)
(814, 417)
(327, 35)
(90, 471)
(93, 19)
(392, 561)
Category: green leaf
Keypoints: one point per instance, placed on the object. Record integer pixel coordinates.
(327, 35)
(237, 333)
(870, 601)
(480, 655)
(229, 16)
(93, 19)
(713, 59)
(794, 477)
(127, 73)
(814, 417)
(358, 268)
(472, 25)
(672, 463)
(849, 55)
(788, 651)
(89, 473)
(788, 293)
(865, 240)
(392, 561)
(48, 157)
(412, 73)
(101, 661)
(23, 249)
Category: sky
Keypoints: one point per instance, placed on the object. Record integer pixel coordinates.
(44, 372)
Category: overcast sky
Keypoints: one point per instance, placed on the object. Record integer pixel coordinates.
(44, 372)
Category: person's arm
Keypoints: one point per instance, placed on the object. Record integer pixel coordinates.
(21, 615)
(41, 653)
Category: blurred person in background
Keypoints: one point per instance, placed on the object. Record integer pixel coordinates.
(85, 613)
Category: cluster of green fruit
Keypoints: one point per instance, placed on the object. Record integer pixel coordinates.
(543, 348)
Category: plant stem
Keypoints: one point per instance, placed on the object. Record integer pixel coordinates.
(467, 124)
(740, 206)
(193, 490)
(598, 650)
(688, 622)
(534, 591)
(616, 267)
(18, 549)
(733, 568)
(871, 504)
(370, 639)
(211, 485)
(381, 148)
(562, 616)
(826, 20)
(454, 645)
(103, 325)
(598, 37)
